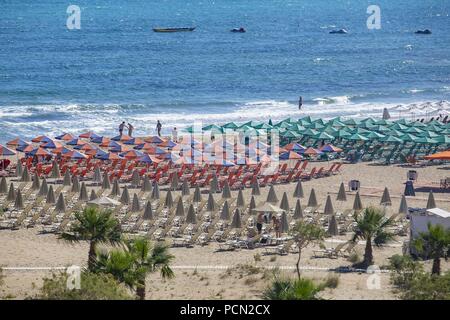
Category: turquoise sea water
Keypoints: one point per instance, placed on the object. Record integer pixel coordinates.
(53, 79)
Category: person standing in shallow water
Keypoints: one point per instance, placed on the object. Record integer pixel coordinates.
(158, 128)
(130, 129)
(121, 127)
(300, 103)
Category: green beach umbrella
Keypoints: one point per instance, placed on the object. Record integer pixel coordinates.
(357, 137)
(413, 130)
(351, 122)
(342, 133)
(360, 131)
(426, 140)
(324, 136)
(310, 132)
(407, 137)
(374, 135)
(391, 139)
(443, 139)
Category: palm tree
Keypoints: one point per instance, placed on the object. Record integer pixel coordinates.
(435, 243)
(96, 227)
(372, 224)
(131, 264)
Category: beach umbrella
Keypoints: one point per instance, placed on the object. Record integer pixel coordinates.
(50, 196)
(225, 213)
(135, 205)
(191, 217)
(272, 196)
(357, 203)
(11, 193)
(179, 212)
(97, 175)
(197, 195)
(403, 206)
(148, 212)
(3, 185)
(226, 192)
(106, 184)
(75, 155)
(93, 195)
(18, 203)
(135, 179)
(19, 169)
(36, 182)
(426, 140)
(240, 202)
(329, 210)
(43, 190)
(284, 202)
(330, 148)
(174, 182)
(357, 137)
(267, 207)
(65, 137)
(115, 189)
(214, 184)
(146, 184)
(430, 202)
(341, 196)
(155, 192)
(391, 139)
(298, 192)
(169, 200)
(373, 135)
(333, 229)
(290, 155)
(89, 135)
(5, 152)
(25, 175)
(17, 142)
(67, 178)
(55, 170)
(185, 191)
(125, 197)
(284, 223)
(298, 211)
(104, 202)
(312, 151)
(342, 133)
(443, 139)
(83, 193)
(236, 222)
(75, 185)
(312, 201)
(255, 188)
(252, 205)
(60, 204)
(386, 198)
(296, 147)
(210, 204)
(324, 136)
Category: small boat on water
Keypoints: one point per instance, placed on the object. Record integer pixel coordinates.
(173, 29)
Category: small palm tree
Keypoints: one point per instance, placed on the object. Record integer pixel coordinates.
(287, 289)
(131, 264)
(435, 243)
(372, 224)
(96, 227)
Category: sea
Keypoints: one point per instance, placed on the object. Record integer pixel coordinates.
(54, 79)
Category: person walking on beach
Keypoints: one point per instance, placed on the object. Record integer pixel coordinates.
(121, 127)
(276, 226)
(300, 103)
(158, 128)
(130, 129)
(175, 134)
(259, 222)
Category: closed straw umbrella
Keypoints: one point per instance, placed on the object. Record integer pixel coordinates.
(135, 179)
(50, 196)
(341, 196)
(25, 175)
(36, 182)
(357, 203)
(240, 202)
(298, 192)
(18, 203)
(329, 209)
(11, 193)
(210, 204)
(83, 193)
(60, 204)
(146, 185)
(43, 190)
(403, 206)
(3, 185)
(106, 183)
(75, 185)
(169, 200)
(174, 182)
(67, 179)
(298, 212)
(191, 217)
(252, 205)
(285, 202)
(155, 192)
(312, 201)
(55, 171)
(333, 229)
(214, 184)
(19, 169)
(284, 223)
(125, 197)
(185, 191)
(272, 196)
(135, 205)
(431, 203)
(226, 192)
(148, 212)
(197, 195)
(236, 222)
(115, 192)
(93, 195)
(179, 212)
(386, 198)
(97, 175)
(225, 213)
(255, 188)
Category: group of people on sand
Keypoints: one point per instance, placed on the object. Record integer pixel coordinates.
(130, 128)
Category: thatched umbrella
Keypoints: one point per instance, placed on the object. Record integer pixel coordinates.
(210, 204)
(43, 189)
(97, 175)
(75, 185)
(3, 185)
(298, 192)
(18, 203)
(236, 222)
(19, 169)
(67, 178)
(252, 205)
(25, 175)
(36, 182)
(333, 229)
(185, 190)
(431, 203)
(135, 179)
(60, 204)
(191, 217)
(115, 192)
(179, 212)
(298, 211)
(83, 193)
(197, 195)
(329, 209)
(174, 182)
(148, 212)
(284, 223)
(341, 196)
(55, 174)
(386, 198)
(272, 196)
(403, 206)
(155, 192)
(93, 195)
(169, 200)
(214, 184)
(50, 196)
(106, 183)
(285, 202)
(255, 188)
(135, 205)
(240, 202)
(312, 201)
(226, 192)
(357, 203)
(11, 193)
(225, 213)
(125, 197)
(146, 185)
